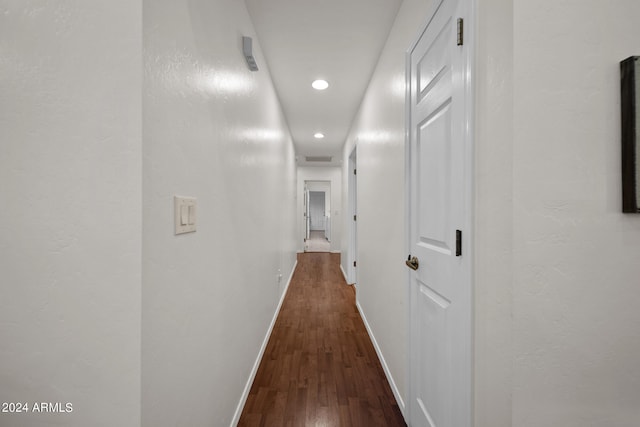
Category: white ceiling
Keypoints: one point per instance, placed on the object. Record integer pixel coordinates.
(335, 40)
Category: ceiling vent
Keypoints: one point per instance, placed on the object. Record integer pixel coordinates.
(318, 158)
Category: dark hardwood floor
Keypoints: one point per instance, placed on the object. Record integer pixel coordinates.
(320, 367)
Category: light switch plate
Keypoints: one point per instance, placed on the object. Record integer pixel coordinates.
(184, 214)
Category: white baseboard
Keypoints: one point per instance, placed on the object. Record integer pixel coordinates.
(392, 383)
(256, 365)
(344, 274)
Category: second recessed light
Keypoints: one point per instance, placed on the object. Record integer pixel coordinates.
(320, 84)
(318, 135)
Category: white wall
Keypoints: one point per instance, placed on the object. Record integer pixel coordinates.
(215, 131)
(493, 234)
(556, 324)
(70, 232)
(378, 131)
(576, 323)
(320, 173)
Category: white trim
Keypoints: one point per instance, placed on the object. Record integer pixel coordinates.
(469, 245)
(407, 210)
(344, 274)
(256, 365)
(352, 207)
(345, 277)
(392, 383)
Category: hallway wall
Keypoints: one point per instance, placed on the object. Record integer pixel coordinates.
(70, 215)
(556, 338)
(215, 131)
(576, 323)
(378, 130)
(493, 215)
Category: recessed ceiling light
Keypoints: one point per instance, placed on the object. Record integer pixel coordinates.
(319, 135)
(320, 84)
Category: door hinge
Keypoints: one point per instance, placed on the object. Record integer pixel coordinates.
(354, 218)
(458, 243)
(354, 171)
(354, 263)
(460, 31)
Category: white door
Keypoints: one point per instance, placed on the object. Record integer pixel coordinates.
(439, 202)
(353, 224)
(307, 216)
(327, 216)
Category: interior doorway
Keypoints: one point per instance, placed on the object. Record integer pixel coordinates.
(317, 212)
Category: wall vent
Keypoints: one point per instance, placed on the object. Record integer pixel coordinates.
(247, 50)
(318, 158)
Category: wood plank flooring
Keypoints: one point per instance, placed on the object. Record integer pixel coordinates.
(320, 367)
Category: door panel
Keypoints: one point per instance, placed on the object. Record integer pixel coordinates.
(435, 63)
(434, 392)
(434, 186)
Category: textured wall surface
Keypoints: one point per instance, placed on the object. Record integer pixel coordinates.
(70, 231)
(493, 240)
(576, 296)
(378, 131)
(212, 130)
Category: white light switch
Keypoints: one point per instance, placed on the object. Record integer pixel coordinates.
(192, 214)
(185, 214)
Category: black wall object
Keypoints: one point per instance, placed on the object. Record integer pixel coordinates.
(628, 102)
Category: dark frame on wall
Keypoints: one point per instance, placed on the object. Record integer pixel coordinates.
(629, 118)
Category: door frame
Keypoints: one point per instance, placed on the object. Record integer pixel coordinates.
(468, 12)
(352, 275)
(326, 187)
